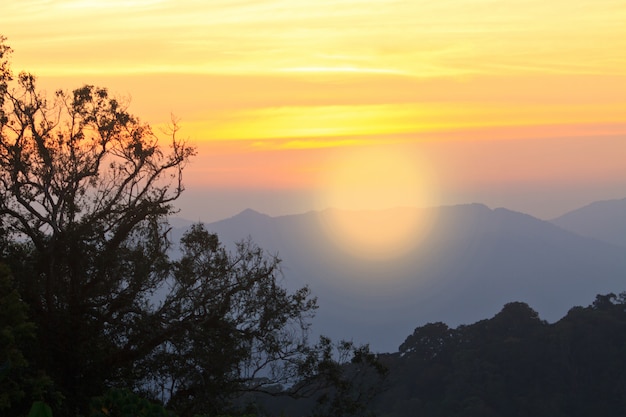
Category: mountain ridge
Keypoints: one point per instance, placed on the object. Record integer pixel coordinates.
(602, 220)
(473, 260)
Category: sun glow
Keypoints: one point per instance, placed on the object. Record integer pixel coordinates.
(371, 190)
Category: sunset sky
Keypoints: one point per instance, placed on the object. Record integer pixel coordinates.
(297, 105)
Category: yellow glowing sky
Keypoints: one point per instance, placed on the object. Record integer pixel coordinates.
(518, 103)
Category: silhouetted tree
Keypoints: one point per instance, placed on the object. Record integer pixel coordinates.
(85, 191)
(428, 342)
(236, 329)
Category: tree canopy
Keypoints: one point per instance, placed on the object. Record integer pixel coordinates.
(514, 364)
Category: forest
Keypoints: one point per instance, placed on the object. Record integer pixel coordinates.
(514, 364)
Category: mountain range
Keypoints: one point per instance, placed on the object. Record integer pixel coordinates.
(470, 262)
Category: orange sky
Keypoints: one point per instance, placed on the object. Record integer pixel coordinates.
(516, 103)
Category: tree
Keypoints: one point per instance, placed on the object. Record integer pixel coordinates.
(85, 192)
(428, 341)
(237, 329)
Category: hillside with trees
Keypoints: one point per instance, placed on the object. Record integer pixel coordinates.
(514, 364)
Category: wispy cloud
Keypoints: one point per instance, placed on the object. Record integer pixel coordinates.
(416, 37)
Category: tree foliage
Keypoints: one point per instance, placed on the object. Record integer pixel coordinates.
(84, 191)
(15, 331)
(237, 329)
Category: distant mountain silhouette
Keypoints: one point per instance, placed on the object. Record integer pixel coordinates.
(472, 261)
(602, 220)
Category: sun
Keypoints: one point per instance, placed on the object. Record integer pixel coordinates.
(375, 194)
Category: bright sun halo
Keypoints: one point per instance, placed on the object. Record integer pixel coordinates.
(373, 193)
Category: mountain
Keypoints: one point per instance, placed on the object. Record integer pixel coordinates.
(470, 262)
(602, 220)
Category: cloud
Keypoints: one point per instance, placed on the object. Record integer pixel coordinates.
(444, 38)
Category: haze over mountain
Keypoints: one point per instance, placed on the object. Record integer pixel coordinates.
(470, 262)
(602, 220)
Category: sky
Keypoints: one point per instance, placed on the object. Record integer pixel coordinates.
(298, 105)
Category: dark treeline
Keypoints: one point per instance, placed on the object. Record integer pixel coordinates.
(514, 364)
